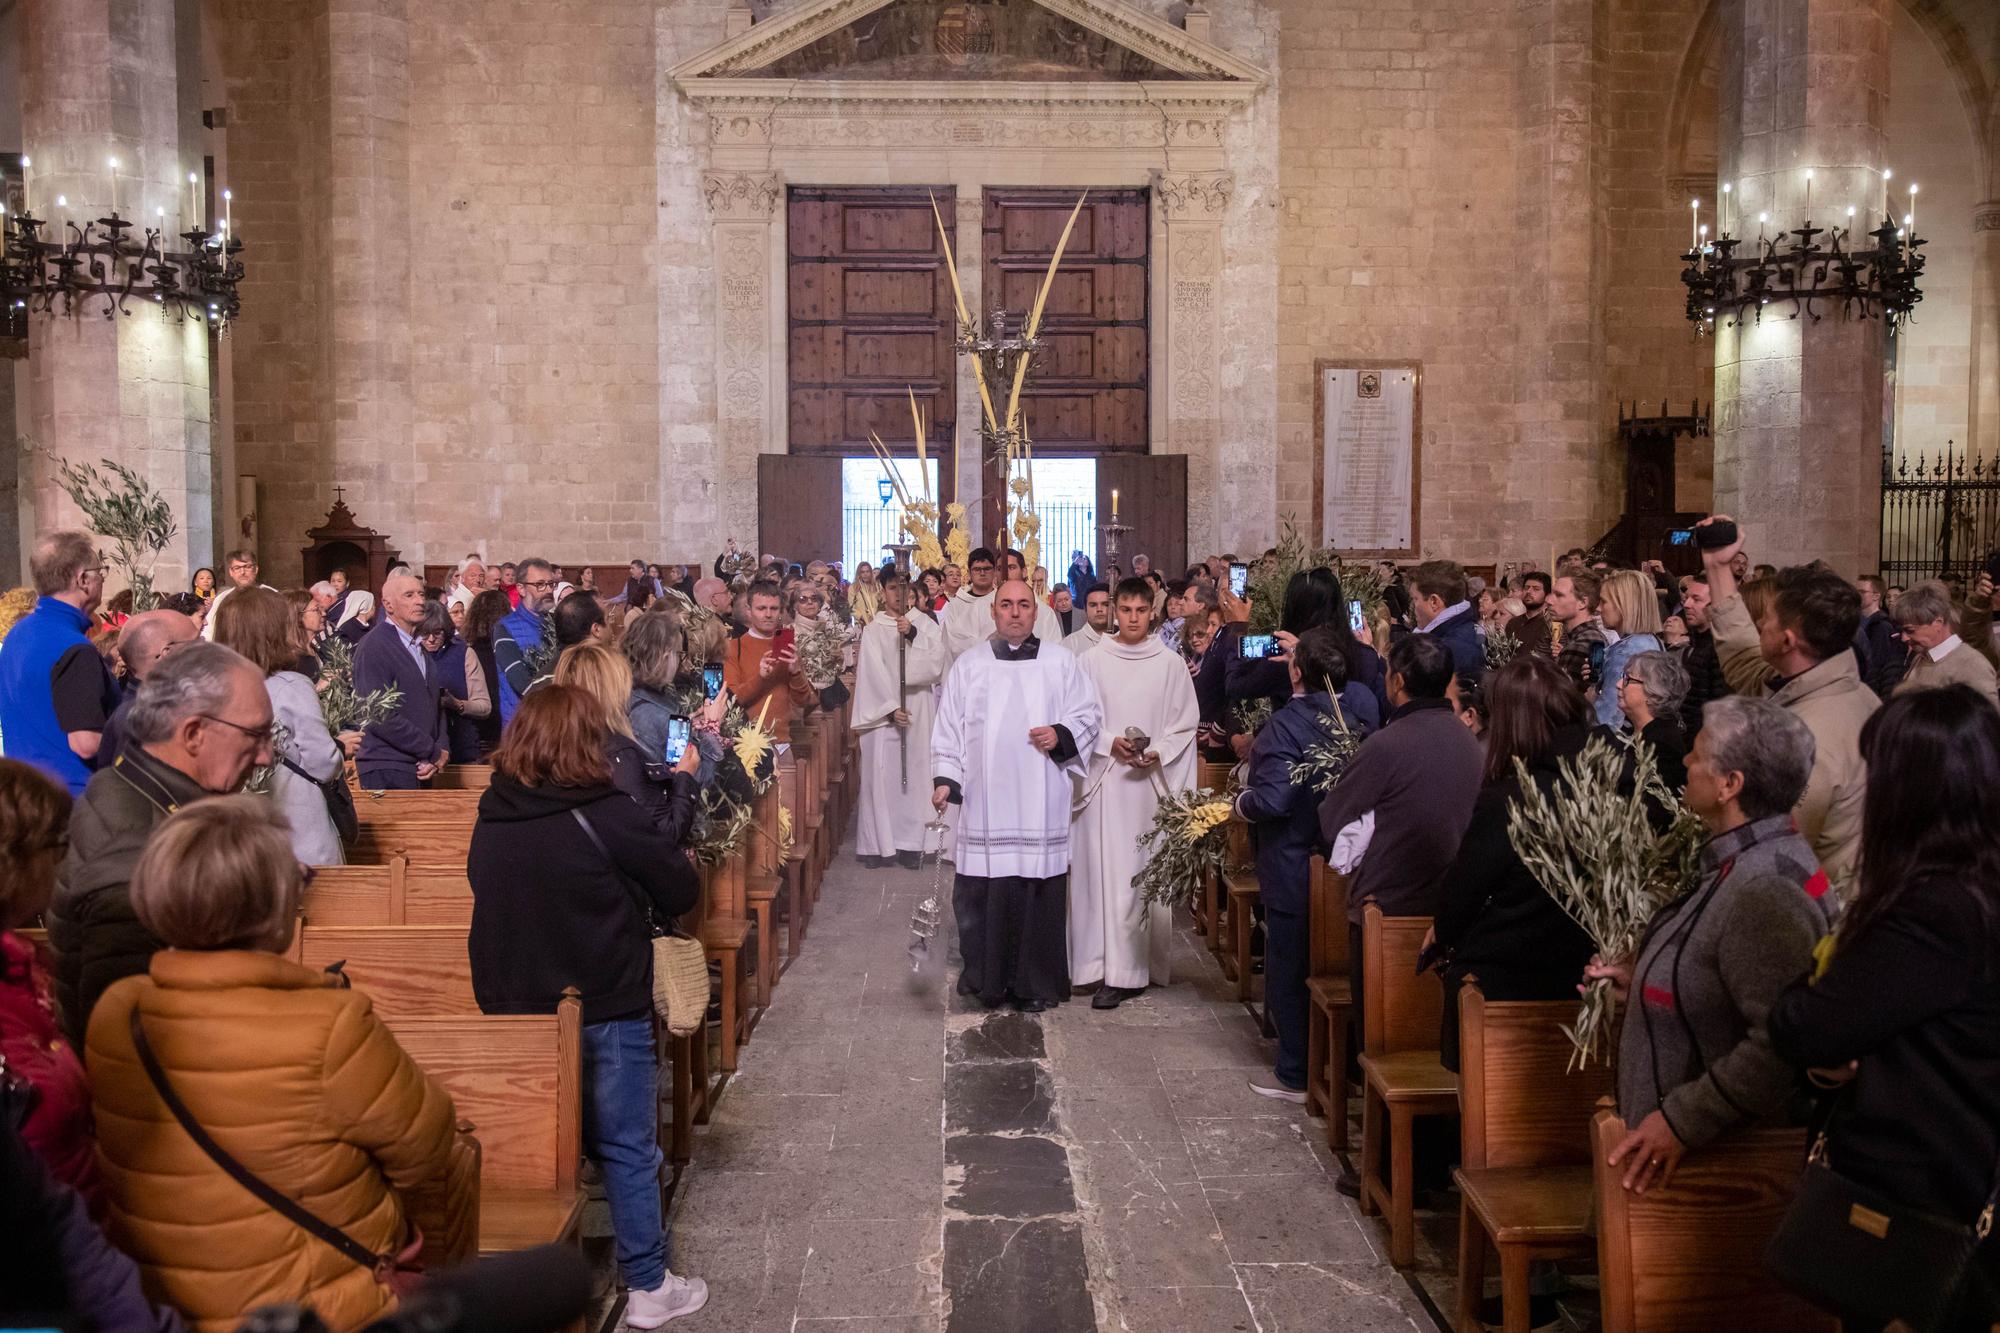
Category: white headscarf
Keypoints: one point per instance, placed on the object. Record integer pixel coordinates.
(358, 604)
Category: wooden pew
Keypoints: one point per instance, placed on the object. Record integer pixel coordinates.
(1401, 1074)
(425, 827)
(1690, 1258)
(519, 1081)
(1524, 1180)
(1330, 990)
(396, 894)
(1211, 900)
(408, 971)
(463, 777)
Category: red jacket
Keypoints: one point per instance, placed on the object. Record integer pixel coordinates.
(58, 1127)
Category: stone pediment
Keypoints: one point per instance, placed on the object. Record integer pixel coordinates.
(966, 50)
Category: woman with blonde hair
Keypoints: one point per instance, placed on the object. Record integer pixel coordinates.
(285, 1072)
(864, 595)
(1629, 607)
(667, 792)
(258, 623)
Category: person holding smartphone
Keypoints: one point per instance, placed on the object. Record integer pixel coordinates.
(758, 665)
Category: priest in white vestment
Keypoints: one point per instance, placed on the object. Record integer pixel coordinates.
(1114, 937)
(967, 618)
(1016, 720)
(901, 660)
(1096, 620)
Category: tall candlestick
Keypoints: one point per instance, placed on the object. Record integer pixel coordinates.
(1886, 174)
(1911, 220)
(1694, 227)
(225, 221)
(1722, 222)
(111, 170)
(194, 204)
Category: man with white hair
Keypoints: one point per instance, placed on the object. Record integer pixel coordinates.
(201, 722)
(404, 750)
(142, 642)
(325, 596)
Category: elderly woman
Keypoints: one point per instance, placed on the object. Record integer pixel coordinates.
(288, 1072)
(804, 600)
(357, 617)
(1629, 607)
(1929, 619)
(1650, 692)
(1695, 1061)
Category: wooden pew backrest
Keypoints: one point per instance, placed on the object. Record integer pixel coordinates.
(408, 971)
(519, 1080)
(1400, 1010)
(1519, 1103)
(396, 894)
(1690, 1258)
(1327, 952)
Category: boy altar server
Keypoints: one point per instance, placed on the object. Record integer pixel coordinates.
(1114, 937)
(902, 658)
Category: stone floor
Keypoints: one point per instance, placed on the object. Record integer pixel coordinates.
(888, 1160)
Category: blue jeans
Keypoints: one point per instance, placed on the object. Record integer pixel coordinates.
(620, 1132)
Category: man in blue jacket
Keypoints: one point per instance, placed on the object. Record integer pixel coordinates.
(55, 692)
(1443, 609)
(520, 632)
(1284, 818)
(404, 750)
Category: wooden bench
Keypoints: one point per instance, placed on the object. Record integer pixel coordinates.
(1240, 884)
(1330, 994)
(519, 1081)
(1524, 1128)
(1211, 900)
(424, 827)
(1402, 1077)
(1689, 1258)
(463, 777)
(395, 894)
(408, 971)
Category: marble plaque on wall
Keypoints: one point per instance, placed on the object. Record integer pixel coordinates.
(1365, 475)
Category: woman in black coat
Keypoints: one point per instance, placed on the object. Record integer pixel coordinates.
(1905, 1019)
(565, 871)
(1494, 919)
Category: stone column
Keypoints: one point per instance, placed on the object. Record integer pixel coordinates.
(1984, 433)
(741, 206)
(1798, 403)
(101, 81)
(1192, 204)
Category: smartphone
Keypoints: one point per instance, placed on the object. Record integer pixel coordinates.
(711, 680)
(1357, 620)
(677, 738)
(1680, 536)
(1993, 567)
(1239, 579)
(1715, 536)
(1257, 647)
(783, 640)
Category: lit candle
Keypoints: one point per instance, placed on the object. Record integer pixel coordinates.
(1762, 218)
(111, 170)
(194, 204)
(1701, 239)
(1850, 220)
(1809, 172)
(62, 225)
(1910, 219)
(1114, 505)
(225, 221)
(1723, 221)
(1886, 174)
(27, 205)
(1694, 227)
(160, 224)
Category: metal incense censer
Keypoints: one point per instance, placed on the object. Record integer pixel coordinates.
(924, 920)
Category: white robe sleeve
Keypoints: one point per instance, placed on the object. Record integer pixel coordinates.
(875, 695)
(1082, 714)
(948, 732)
(928, 659)
(1182, 715)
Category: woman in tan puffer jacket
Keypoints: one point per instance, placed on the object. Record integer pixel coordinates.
(290, 1075)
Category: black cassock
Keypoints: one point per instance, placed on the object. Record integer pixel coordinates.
(1014, 933)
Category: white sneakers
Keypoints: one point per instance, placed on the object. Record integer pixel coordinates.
(675, 1297)
(1267, 1085)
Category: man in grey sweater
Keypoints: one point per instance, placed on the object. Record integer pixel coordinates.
(1694, 1061)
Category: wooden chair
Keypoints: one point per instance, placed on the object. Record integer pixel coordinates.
(1401, 1075)
(396, 894)
(519, 1081)
(1330, 992)
(1690, 1258)
(1524, 1182)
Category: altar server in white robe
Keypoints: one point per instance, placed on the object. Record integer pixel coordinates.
(1114, 937)
(1096, 620)
(968, 617)
(1016, 720)
(894, 705)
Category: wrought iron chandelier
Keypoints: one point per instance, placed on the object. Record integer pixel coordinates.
(1807, 266)
(112, 260)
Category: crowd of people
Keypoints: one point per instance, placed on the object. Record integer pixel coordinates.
(172, 774)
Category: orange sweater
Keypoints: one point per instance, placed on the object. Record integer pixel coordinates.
(741, 658)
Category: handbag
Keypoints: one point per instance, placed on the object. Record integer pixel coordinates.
(398, 1270)
(339, 798)
(680, 964)
(1857, 1253)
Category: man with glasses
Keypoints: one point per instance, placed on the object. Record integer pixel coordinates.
(200, 723)
(242, 568)
(522, 632)
(55, 691)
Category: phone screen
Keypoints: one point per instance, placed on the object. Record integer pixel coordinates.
(711, 680)
(1239, 579)
(677, 738)
(1256, 647)
(1681, 537)
(1356, 620)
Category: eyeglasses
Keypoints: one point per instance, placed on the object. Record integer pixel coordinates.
(259, 734)
(539, 583)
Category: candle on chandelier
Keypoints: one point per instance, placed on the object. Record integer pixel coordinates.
(194, 203)
(1694, 227)
(1886, 174)
(1722, 219)
(1762, 218)
(111, 170)
(62, 226)
(1910, 219)
(27, 205)
(225, 221)
(1809, 175)
(1114, 505)
(1850, 219)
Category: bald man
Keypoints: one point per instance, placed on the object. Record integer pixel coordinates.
(145, 639)
(404, 750)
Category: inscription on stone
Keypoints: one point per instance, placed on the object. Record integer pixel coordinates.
(1367, 439)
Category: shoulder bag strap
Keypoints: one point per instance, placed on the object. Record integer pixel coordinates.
(236, 1171)
(639, 898)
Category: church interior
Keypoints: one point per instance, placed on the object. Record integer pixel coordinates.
(358, 285)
